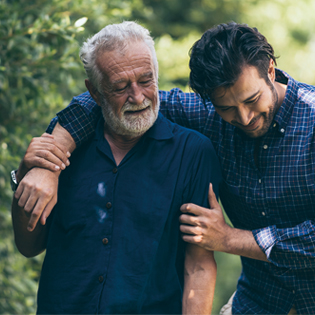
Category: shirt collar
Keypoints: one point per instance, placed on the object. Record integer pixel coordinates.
(161, 130)
(285, 111)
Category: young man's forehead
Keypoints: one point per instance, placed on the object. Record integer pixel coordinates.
(244, 88)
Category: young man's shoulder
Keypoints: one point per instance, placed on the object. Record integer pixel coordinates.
(306, 94)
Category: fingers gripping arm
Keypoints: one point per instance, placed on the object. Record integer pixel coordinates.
(48, 151)
(208, 229)
(37, 190)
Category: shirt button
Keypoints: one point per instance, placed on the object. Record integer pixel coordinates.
(282, 130)
(108, 205)
(263, 213)
(274, 125)
(259, 180)
(293, 291)
(115, 170)
(100, 279)
(265, 147)
(105, 241)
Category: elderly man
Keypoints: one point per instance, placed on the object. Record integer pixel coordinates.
(112, 241)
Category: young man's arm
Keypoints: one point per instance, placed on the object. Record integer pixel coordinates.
(208, 229)
(200, 277)
(291, 247)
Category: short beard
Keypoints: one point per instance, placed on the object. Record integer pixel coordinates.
(268, 117)
(273, 110)
(127, 125)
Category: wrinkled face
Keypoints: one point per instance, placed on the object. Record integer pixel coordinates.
(250, 104)
(130, 101)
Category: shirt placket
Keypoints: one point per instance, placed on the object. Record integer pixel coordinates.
(254, 187)
(267, 155)
(105, 238)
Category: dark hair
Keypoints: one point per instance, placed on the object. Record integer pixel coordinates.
(217, 58)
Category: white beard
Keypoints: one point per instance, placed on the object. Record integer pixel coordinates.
(130, 125)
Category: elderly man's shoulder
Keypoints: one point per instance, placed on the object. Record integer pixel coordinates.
(191, 137)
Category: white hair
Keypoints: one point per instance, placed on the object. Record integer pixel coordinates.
(113, 37)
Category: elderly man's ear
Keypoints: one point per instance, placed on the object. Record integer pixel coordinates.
(93, 91)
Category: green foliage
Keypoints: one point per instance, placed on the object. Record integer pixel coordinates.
(40, 72)
(179, 18)
(289, 27)
(19, 276)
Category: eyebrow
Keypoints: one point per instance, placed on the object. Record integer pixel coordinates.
(147, 74)
(246, 100)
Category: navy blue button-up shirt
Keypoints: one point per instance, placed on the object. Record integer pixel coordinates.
(276, 200)
(114, 244)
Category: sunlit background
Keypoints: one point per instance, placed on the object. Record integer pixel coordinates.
(40, 71)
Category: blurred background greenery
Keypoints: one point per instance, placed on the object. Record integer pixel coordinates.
(40, 71)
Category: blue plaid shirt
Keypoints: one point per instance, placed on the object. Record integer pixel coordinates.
(275, 200)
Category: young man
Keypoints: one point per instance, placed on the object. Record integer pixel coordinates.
(261, 123)
(112, 241)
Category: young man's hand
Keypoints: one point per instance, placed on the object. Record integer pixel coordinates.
(44, 152)
(207, 228)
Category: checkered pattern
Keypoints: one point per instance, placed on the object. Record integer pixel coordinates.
(275, 200)
(80, 121)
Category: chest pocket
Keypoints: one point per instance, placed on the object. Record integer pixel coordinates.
(74, 203)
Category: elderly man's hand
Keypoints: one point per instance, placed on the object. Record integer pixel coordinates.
(37, 194)
(38, 177)
(205, 227)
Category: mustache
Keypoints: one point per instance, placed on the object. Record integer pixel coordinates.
(131, 107)
(235, 123)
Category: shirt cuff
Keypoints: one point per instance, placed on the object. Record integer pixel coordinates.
(77, 122)
(266, 238)
(52, 125)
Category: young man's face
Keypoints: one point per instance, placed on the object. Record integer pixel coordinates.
(250, 104)
(130, 103)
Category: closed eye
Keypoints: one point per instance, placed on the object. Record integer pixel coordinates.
(253, 101)
(224, 109)
(145, 82)
(121, 89)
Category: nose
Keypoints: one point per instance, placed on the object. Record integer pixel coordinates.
(244, 115)
(135, 95)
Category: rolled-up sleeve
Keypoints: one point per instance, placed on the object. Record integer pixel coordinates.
(290, 247)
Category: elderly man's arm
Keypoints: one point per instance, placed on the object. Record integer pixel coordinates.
(200, 277)
(73, 126)
(28, 243)
(37, 190)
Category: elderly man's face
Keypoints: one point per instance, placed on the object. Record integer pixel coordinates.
(130, 104)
